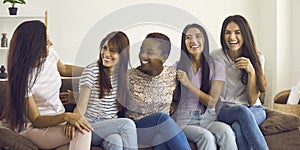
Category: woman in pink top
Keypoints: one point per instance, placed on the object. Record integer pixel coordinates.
(34, 81)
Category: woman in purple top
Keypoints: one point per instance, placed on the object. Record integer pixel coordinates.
(201, 83)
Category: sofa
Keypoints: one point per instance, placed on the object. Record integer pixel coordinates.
(281, 130)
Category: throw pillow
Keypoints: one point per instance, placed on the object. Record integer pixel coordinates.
(279, 122)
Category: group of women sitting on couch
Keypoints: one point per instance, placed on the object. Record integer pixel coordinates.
(216, 93)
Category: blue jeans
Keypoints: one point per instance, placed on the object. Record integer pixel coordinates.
(245, 123)
(114, 134)
(203, 130)
(160, 131)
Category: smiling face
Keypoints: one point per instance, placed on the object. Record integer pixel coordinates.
(109, 55)
(194, 41)
(150, 57)
(233, 37)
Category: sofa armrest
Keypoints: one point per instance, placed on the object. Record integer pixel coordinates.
(12, 140)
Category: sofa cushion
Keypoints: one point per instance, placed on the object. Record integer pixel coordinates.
(279, 122)
(14, 141)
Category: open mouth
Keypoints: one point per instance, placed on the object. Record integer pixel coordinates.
(144, 62)
(233, 43)
(196, 46)
(107, 59)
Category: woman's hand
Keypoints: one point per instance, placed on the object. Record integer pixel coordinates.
(78, 121)
(183, 78)
(244, 63)
(69, 131)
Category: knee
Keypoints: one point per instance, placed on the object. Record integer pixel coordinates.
(243, 110)
(162, 117)
(84, 134)
(87, 136)
(128, 122)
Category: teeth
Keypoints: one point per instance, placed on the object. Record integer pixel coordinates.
(195, 46)
(107, 59)
(144, 62)
(233, 42)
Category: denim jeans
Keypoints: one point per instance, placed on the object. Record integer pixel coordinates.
(203, 130)
(245, 123)
(160, 131)
(114, 134)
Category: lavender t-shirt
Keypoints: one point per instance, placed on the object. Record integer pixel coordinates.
(189, 101)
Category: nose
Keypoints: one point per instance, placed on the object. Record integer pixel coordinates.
(232, 36)
(106, 52)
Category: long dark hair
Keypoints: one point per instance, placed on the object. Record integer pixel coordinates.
(27, 51)
(119, 40)
(185, 63)
(249, 50)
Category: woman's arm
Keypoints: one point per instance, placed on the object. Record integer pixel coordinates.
(83, 100)
(253, 92)
(69, 70)
(208, 100)
(40, 121)
(79, 109)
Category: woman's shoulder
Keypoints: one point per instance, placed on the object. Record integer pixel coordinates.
(169, 70)
(216, 52)
(92, 65)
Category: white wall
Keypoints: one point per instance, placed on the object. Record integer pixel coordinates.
(295, 50)
(71, 20)
(266, 43)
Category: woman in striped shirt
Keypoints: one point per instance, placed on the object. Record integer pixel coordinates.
(100, 87)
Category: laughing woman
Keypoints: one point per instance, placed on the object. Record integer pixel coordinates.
(101, 85)
(151, 87)
(242, 108)
(201, 83)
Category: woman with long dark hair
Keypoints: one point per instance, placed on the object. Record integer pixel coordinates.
(34, 107)
(245, 80)
(201, 80)
(102, 83)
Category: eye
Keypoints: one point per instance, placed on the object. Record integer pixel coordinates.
(104, 47)
(238, 32)
(199, 36)
(150, 52)
(113, 50)
(188, 37)
(227, 32)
